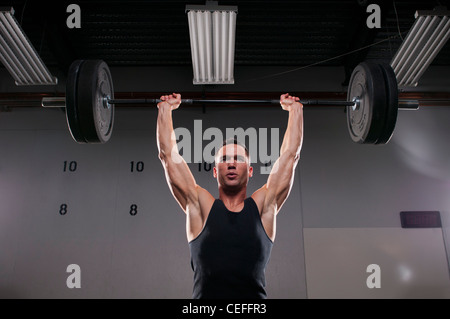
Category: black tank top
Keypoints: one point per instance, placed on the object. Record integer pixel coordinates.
(230, 254)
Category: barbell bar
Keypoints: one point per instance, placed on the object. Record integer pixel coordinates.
(372, 102)
(60, 102)
(402, 104)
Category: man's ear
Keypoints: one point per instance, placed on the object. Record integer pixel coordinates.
(214, 172)
(250, 171)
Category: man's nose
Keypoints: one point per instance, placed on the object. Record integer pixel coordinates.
(231, 164)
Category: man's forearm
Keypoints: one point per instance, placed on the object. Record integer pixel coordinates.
(293, 137)
(164, 131)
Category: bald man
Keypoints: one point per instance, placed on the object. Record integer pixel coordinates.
(231, 237)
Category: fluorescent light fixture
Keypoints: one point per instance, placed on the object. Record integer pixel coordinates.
(425, 39)
(212, 30)
(18, 54)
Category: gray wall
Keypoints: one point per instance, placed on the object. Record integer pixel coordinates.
(351, 198)
(339, 185)
(143, 256)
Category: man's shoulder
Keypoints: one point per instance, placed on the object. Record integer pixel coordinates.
(205, 194)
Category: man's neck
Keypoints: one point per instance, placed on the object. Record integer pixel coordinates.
(234, 201)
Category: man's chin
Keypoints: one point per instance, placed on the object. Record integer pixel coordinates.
(232, 184)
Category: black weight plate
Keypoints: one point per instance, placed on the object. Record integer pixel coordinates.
(390, 81)
(96, 117)
(72, 115)
(365, 123)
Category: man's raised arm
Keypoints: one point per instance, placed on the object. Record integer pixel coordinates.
(274, 193)
(178, 175)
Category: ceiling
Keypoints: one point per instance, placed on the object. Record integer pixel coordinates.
(268, 33)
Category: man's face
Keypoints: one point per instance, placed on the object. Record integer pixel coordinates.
(232, 169)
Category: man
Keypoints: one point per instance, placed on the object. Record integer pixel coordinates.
(230, 238)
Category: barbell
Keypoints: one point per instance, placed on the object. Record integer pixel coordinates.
(372, 102)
